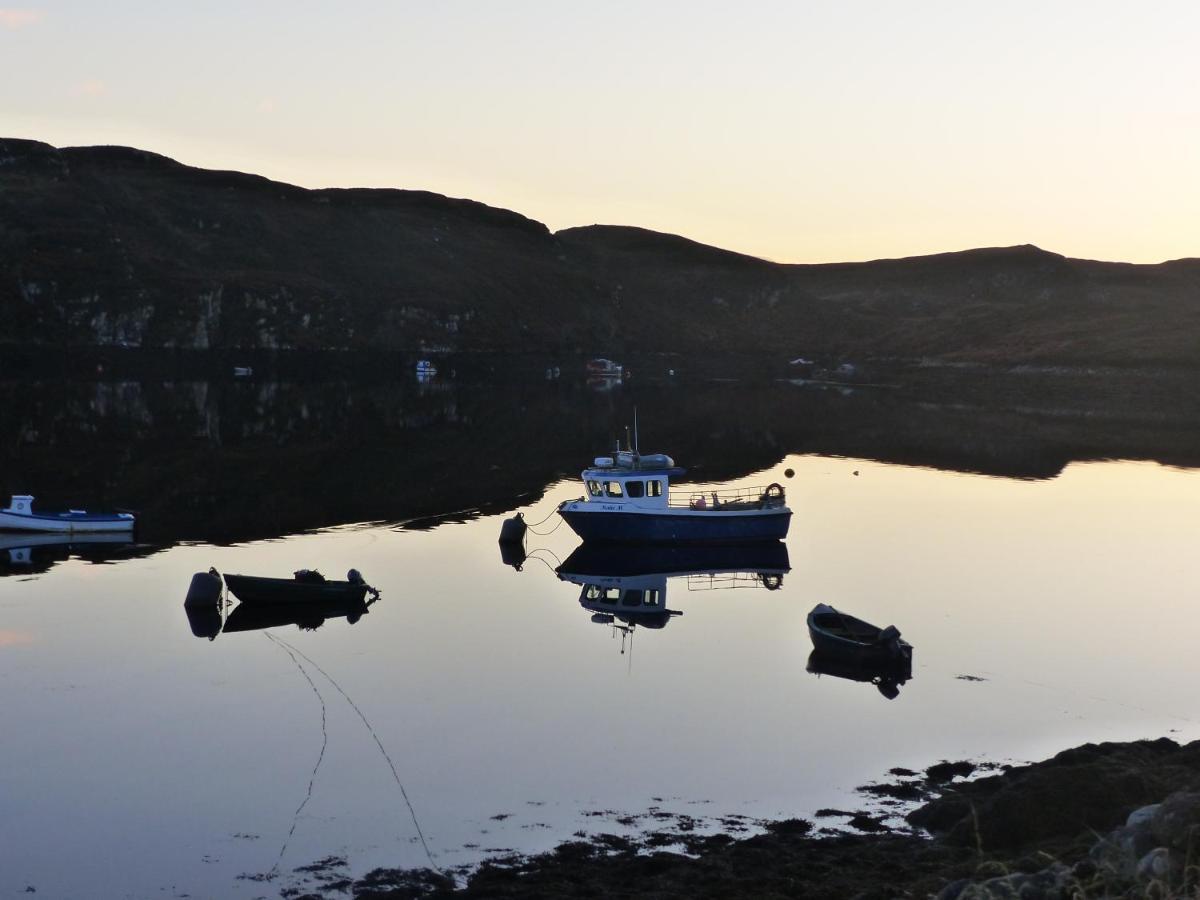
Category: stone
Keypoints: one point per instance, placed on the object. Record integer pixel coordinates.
(1142, 816)
(1176, 823)
(1155, 865)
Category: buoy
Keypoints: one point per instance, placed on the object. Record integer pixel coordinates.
(513, 530)
(205, 589)
(513, 555)
(205, 621)
(203, 604)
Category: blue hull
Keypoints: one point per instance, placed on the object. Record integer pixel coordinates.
(613, 561)
(650, 528)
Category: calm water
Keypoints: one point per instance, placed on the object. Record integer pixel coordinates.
(139, 760)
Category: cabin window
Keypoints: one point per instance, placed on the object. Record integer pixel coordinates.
(632, 598)
(651, 598)
(594, 592)
(613, 489)
(594, 488)
(653, 488)
(635, 489)
(612, 594)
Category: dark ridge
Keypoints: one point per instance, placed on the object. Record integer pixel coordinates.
(115, 154)
(629, 239)
(429, 201)
(16, 148)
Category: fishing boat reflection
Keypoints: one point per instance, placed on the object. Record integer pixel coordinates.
(24, 554)
(886, 675)
(308, 616)
(626, 587)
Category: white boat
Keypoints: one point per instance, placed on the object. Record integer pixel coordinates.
(629, 500)
(604, 368)
(19, 515)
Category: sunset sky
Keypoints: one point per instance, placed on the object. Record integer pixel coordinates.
(801, 132)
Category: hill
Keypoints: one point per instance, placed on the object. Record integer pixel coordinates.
(111, 246)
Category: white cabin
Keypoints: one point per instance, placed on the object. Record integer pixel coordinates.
(22, 504)
(630, 480)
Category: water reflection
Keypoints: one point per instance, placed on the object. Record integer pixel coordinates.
(23, 554)
(626, 586)
(227, 461)
(306, 616)
(886, 675)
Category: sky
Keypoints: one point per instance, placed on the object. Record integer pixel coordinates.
(798, 132)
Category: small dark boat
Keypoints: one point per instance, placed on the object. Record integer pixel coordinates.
(306, 586)
(836, 634)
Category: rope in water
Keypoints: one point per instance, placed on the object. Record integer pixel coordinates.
(391, 765)
(320, 757)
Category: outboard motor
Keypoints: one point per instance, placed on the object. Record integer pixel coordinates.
(355, 577)
(889, 639)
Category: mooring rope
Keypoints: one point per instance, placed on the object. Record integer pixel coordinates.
(396, 775)
(533, 527)
(551, 531)
(320, 757)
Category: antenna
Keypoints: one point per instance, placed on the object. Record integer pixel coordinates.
(636, 446)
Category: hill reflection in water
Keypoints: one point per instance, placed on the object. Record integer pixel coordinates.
(228, 461)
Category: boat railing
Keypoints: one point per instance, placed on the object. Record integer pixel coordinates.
(761, 497)
(701, 581)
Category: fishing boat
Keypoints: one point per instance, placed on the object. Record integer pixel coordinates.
(836, 634)
(306, 586)
(19, 515)
(604, 368)
(629, 500)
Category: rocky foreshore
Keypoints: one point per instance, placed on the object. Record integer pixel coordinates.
(1113, 820)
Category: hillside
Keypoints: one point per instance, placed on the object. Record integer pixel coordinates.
(112, 246)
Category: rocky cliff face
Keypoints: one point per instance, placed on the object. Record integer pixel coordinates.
(120, 247)
(115, 246)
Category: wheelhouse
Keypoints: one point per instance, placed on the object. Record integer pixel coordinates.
(631, 479)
